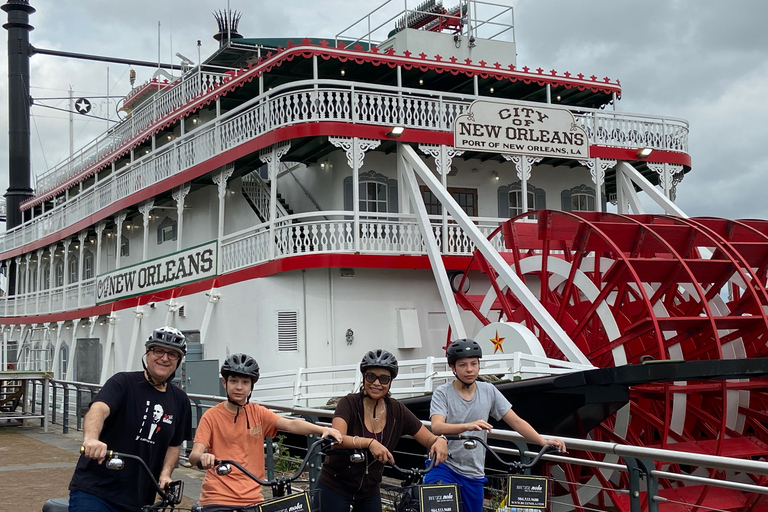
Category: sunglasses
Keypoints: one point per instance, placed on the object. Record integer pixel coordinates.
(159, 353)
(372, 377)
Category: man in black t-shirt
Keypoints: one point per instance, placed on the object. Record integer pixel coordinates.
(138, 413)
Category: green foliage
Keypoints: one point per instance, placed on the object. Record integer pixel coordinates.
(284, 463)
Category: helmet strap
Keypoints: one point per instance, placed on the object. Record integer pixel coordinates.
(464, 385)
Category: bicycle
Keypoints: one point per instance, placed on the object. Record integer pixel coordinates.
(169, 497)
(415, 496)
(522, 493)
(283, 497)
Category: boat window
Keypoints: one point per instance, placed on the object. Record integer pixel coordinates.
(377, 193)
(578, 199)
(466, 197)
(46, 276)
(59, 273)
(125, 246)
(166, 231)
(73, 269)
(510, 199)
(88, 265)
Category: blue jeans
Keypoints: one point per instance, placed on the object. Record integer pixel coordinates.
(80, 501)
(471, 490)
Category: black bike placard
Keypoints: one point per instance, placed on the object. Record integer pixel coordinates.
(439, 498)
(527, 491)
(293, 503)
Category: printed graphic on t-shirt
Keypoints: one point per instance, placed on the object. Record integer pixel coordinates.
(153, 421)
(257, 430)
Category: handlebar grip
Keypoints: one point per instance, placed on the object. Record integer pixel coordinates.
(199, 465)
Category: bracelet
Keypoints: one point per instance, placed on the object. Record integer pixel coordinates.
(369, 444)
(443, 437)
(354, 442)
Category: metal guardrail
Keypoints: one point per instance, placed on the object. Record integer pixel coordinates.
(642, 468)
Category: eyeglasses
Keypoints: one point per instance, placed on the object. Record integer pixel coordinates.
(159, 353)
(372, 377)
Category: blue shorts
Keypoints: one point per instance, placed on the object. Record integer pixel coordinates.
(471, 491)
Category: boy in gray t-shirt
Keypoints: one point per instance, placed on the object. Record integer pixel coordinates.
(463, 407)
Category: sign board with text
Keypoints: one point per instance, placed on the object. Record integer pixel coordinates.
(498, 127)
(293, 503)
(439, 498)
(528, 492)
(168, 271)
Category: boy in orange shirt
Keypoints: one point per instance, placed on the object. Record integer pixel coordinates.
(235, 430)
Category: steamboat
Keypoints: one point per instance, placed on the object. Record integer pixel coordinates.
(306, 199)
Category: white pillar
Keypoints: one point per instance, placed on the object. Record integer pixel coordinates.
(99, 232)
(178, 195)
(81, 237)
(443, 156)
(146, 212)
(119, 219)
(355, 149)
(39, 283)
(524, 164)
(51, 275)
(66, 242)
(597, 168)
(220, 179)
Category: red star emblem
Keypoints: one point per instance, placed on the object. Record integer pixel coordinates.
(497, 343)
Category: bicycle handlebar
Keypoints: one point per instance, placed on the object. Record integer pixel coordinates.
(513, 467)
(223, 463)
(414, 471)
(171, 497)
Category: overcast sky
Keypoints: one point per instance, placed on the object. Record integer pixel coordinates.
(705, 61)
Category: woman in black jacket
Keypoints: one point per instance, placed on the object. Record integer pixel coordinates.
(372, 421)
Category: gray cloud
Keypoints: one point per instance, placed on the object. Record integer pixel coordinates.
(700, 60)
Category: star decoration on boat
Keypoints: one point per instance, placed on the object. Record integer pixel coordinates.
(497, 343)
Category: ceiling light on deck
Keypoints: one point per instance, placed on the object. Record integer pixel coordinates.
(558, 97)
(396, 131)
(644, 152)
(491, 90)
(343, 71)
(421, 81)
(495, 176)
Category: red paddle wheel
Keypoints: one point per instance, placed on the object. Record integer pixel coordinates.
(628, 289)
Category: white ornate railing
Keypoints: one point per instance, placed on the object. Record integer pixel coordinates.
(334, 232)
(283, 107)
(186, 89)
(299, 234)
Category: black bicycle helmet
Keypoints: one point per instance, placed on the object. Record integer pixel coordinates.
(240, 364)
(168, 337)
(379, 358)
(463, 348)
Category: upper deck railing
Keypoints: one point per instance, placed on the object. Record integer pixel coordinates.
(312, 101)
(104, 147)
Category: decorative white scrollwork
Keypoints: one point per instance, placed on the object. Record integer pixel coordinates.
(437, 152)
(598, 172)
(523, 163)
(347, 144)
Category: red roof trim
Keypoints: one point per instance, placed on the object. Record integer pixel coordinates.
(242, 76)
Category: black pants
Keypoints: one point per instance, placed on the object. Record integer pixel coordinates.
(332, 501)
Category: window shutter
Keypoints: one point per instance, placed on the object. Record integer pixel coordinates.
(565, 198)
(503, 200)
(392, 199)
(348, 194)
(541, 199)
(287, 331)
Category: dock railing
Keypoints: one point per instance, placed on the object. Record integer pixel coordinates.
(619, 476)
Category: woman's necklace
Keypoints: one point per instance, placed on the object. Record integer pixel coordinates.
(382, 413)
